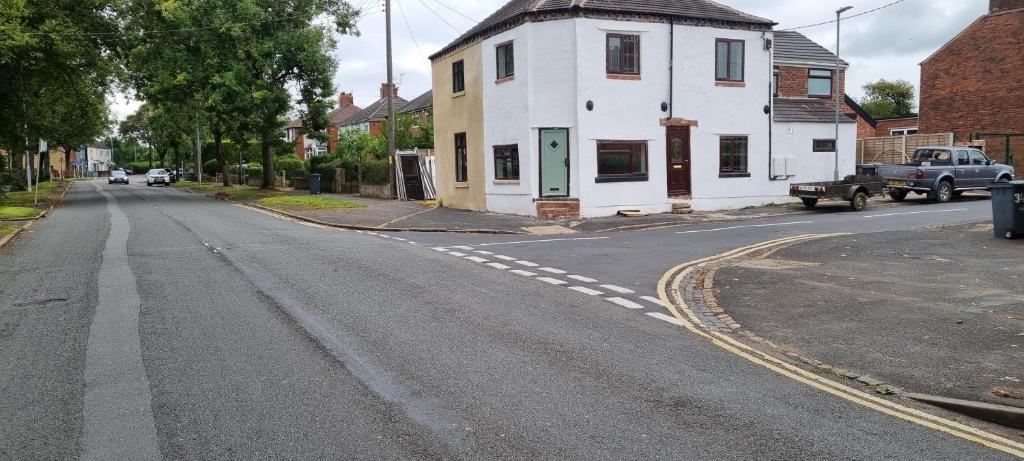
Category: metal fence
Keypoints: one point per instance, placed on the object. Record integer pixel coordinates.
(897, 149)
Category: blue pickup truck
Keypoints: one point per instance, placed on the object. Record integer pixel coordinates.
(943, 173)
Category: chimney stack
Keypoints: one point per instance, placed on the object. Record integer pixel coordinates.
(346, 99)
(995, 6)
(384, 90)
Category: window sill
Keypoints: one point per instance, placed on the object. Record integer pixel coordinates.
(624, 77)
(462, 185)
(504, 79)
(459, 94)
(727, 84)
(506, 182)
(607, 179)
(733, 175)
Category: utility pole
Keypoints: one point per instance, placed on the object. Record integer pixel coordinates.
(835, 81)
(391, 101)
(199, 153)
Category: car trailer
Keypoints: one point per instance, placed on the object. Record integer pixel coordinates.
(854, 189)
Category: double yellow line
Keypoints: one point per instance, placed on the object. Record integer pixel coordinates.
(674, 302)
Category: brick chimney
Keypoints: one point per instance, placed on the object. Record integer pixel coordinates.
(346, 99)
(995, 6)
(384, 90)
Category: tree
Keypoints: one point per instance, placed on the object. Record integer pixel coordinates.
(54, 55)
(888, 98)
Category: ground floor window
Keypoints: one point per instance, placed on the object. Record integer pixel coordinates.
(824, 145)
(506, 162)
(621, 161)
(461, 172)
(902, 131)
(733, 156)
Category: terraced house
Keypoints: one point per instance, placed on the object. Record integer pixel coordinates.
(566, 108)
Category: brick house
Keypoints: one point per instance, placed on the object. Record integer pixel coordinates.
(373, 117)
(975, 82)
(308, 148)
(897, 126)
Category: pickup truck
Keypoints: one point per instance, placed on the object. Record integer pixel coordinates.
(943, 173)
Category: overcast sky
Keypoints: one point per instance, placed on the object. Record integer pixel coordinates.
(885, 44)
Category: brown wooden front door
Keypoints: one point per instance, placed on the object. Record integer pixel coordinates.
(678, 147)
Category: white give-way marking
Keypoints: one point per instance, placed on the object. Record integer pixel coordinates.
(915, 212)
(521, 242)
(794, 223)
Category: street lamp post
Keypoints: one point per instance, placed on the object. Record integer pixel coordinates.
(835, 79)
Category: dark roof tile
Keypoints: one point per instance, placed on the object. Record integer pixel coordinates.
(807, 111)
(795, 47)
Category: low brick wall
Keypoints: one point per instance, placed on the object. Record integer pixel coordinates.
(555, 210)
(381, 191)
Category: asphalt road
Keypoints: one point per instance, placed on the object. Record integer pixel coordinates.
(253, 337)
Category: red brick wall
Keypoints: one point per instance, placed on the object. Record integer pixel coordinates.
(558, 210)
(793, 83)
(332, 138)
(1002, 5)
(976, 82)
(300, 145)
(884, 127)
(864, 129)
(376, 128)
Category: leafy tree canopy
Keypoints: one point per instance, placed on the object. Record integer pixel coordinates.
(886, 98)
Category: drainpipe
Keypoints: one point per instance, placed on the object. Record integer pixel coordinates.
(671, 67)
(771, 102)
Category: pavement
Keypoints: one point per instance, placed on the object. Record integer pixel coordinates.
(393, 215)
(262, 337)
(937, 311)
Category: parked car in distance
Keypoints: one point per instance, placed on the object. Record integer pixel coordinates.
(158, 176)
(118, 176)
(943, 173)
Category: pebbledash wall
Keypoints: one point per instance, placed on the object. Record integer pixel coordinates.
(560, 66)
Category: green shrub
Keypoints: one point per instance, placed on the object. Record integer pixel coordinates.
(375, 172)
(211, 168)
(289, 165)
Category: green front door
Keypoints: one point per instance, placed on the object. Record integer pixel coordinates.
(554, 162)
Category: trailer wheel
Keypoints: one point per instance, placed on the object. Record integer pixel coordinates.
(859, 201)
(809, 202)
(898, 195)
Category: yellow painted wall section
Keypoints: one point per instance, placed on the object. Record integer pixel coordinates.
(460, 113)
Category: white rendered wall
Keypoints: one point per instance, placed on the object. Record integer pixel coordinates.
(796, 140)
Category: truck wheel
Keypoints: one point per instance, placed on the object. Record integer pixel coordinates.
(898, 195)
(943, 193)
(859, 201)
(809, 202)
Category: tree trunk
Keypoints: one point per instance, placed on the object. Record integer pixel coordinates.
(268, 162)
(67, 162)
(149, 153)
(218, 138)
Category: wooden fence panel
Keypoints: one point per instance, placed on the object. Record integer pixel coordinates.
(897, 149)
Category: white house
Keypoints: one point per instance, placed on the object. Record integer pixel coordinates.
(566, 109)
(98, 157)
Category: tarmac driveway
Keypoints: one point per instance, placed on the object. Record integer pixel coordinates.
(937, 311)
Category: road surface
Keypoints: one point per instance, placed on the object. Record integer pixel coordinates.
(142, 322)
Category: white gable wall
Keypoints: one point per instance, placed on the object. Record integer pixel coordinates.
(796, 140)
(560, 65)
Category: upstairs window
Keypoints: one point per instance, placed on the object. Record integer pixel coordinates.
(819, 83)
(729, 60)
(461, 170)
(775, 81)
(458, 76)
(623, 53)
(505, 57)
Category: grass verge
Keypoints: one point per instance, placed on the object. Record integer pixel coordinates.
(18, 212)
(5, 230)
(246, 193)
(193, 186)
(304, 203)
(48, 193)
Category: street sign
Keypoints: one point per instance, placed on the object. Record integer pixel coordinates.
(42, 146)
